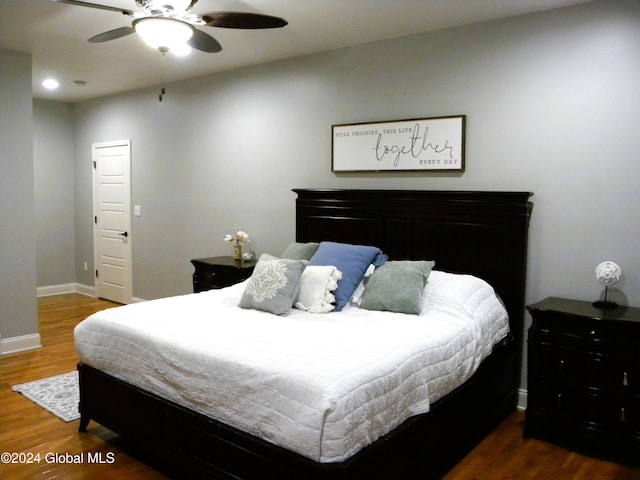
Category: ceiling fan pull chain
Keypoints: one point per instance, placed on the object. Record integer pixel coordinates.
(162, 77)
(163, 51)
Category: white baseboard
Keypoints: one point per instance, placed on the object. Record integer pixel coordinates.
(21, 343)
(56, 289)
(87, 290)
(63, 288)
(522, 399)
(31, 342)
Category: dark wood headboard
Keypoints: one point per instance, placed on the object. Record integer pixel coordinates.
(481, 233)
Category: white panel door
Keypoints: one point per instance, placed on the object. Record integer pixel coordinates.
(112, 220)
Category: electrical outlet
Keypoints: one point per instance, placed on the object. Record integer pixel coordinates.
(85, 266)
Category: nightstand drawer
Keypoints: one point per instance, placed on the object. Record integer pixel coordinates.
(218, 279)
(219, 272)
(633, 377)
(632, 412)
(201, 284)
(599, 371)
(583, 404)
(580, 335)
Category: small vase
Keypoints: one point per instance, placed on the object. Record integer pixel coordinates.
(237, 252)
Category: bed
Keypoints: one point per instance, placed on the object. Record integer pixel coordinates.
(483, 234)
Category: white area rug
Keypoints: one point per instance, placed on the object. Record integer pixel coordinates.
(59, 394)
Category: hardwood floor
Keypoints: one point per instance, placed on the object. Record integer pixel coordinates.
(28, 429)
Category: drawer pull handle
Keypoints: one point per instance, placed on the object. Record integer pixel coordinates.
(625, 380)
(561, 369)
(559, 400)
(623, 418)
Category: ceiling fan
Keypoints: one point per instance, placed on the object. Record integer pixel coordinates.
(168, 24)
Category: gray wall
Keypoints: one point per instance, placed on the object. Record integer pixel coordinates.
(551, 101)
(54, 192)
(18, 306)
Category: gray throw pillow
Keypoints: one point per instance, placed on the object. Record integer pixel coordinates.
(300, 251)
(274, 285)
(397, 287)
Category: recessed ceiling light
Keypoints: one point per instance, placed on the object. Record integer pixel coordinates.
(50, 83)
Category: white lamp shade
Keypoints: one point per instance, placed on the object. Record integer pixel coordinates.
(163, 32)
(608, 273)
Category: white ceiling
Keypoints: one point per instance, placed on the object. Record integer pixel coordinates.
(56, 36)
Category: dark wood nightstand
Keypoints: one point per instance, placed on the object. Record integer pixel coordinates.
(584, 378)
(219, 272)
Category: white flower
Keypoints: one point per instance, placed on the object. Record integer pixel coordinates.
(239, 237)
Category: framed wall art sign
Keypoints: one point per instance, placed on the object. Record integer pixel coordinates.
(401, 145)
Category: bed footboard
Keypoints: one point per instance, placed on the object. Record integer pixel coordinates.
(425, 446)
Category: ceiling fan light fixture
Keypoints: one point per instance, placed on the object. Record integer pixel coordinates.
(163, 32)
(181, 50)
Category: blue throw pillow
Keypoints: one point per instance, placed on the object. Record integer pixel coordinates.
(352, 261)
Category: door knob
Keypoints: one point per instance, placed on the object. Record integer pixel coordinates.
(125, 234)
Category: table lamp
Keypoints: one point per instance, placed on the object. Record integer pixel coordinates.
(607, 273)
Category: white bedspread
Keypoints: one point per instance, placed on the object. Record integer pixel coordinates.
(322, 385)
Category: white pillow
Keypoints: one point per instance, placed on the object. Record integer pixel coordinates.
(356, 298)
(316, 286)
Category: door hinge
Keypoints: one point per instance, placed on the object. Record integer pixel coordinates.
(95, 164)
(96, 273)
(95, 219)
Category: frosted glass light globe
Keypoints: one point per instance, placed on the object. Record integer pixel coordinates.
(608, 273)
(163, 32)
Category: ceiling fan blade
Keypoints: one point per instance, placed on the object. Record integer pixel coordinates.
(204, 42)
(112, 34)
(242, 20)
(78, 3)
